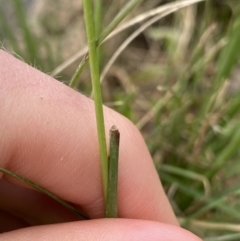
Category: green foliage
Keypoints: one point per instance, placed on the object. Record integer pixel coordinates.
(18, 36)
(179, 83)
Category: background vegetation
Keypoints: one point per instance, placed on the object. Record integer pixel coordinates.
(178, 81)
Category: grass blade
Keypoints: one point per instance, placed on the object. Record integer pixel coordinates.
(227, 237)
(43, 190)
(27, 34)
(121, 15)
(8, 32)
(78, 72)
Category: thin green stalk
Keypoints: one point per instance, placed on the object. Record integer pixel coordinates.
(95, 76)
(228, 58)
(98, 11)
(226, 237)
(111, 204)
(9, 32)
(43, 190)
(121, 15)
(227, 152)
(98, 20)
(29, 39)
(211, 202)
(98, 17)
(78, 72)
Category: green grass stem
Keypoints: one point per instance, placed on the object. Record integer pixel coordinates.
(111, 205)
(228, 58)
(94, 67)
(227, 237)
(43, 190)
(98, 17)
(8, 32)
(120, 16)
(97, 23)
(212, 202)
(27, 34)
(74, 81)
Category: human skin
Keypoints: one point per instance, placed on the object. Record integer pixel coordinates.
(48, 135)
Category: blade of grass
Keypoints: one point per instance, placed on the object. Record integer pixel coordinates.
(123, 27)
(217, 202)
(211, 202)
(151, 13)
(97, 21)
(227, 237)
(8, 32)
(227, 60)
(134, 35)
(211, 225)
(95, 76)
(120, 16)
(226, 153)
(28, 37)
(111, 205)
(43, 190)
(188, 174)
(78, 72)
(230, 54)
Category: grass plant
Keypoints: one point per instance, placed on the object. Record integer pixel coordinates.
(177, 78)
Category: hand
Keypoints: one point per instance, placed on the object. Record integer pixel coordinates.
(48, 135)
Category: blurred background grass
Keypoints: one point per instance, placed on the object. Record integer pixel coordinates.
(178, 81)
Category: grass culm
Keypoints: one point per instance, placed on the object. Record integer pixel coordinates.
(172, 68)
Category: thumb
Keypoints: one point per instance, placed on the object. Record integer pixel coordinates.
(103, 230)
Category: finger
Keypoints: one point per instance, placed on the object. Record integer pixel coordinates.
(48, 134)
(103, 230)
